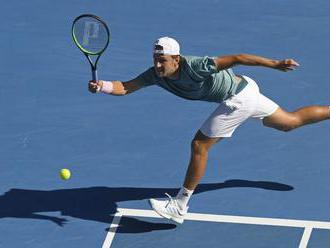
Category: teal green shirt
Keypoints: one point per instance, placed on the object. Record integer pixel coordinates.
(198, 79)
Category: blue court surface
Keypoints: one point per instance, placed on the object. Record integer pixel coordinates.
(262, 187)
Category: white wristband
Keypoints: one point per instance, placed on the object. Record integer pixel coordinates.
(107, 87)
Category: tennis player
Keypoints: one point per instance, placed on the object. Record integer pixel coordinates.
(211, 79)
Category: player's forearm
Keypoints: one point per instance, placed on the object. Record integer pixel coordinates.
(253, 60)
(116, 88)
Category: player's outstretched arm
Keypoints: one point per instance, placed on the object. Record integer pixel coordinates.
(117, 88)
(225, 62)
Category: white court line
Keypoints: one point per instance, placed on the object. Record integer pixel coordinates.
(112, 230)
(306, 224)
(232, 219)
(305, 237)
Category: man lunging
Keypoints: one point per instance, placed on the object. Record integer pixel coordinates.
(211, 79)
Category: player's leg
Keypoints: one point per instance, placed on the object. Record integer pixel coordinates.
(287, 121)
(276, 117)
(176, 208)
(221, 124)
(200, 146)
(198, 159)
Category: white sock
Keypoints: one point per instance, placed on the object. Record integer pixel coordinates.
(183, 197)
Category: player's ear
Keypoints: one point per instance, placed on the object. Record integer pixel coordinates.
(176, 58)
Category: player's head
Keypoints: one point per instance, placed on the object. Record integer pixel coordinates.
(166, 56)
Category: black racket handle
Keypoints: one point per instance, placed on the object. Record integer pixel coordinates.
(94, 75)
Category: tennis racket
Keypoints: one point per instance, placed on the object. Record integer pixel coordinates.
(92, 36)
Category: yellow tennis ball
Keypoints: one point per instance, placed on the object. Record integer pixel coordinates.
(65, 174)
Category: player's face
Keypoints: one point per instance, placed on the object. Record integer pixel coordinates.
(166, 65)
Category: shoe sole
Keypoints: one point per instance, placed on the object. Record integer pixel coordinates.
(166, 216)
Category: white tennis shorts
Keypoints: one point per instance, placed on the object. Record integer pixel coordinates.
(235, 110)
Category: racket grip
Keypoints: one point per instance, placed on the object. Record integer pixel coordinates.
(94, 75)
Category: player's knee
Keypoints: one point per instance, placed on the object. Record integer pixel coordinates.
(198, 147)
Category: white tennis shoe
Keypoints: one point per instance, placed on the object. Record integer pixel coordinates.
(169, 209)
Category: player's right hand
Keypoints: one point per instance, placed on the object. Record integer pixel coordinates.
(94, 87)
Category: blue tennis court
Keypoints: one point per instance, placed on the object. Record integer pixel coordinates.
(262, 187)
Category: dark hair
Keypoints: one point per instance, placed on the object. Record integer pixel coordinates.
(159, 47)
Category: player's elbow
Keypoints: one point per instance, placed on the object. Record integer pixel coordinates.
(239, 58)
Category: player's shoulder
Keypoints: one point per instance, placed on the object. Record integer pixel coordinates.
(192, 58)
(197, 60)
(200, 63)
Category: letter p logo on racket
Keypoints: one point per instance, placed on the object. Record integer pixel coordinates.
(92, 36)
(91, 31)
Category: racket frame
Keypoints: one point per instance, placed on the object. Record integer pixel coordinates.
(87, 53)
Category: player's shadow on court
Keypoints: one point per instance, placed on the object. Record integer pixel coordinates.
(100, 203)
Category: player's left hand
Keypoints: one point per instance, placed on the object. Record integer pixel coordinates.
(286, 65)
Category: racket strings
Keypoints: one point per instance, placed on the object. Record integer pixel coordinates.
(91, 35)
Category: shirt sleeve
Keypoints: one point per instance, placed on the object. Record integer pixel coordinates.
(203, 66)
(147, 78)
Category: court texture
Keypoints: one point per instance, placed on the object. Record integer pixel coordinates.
(262, 187)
